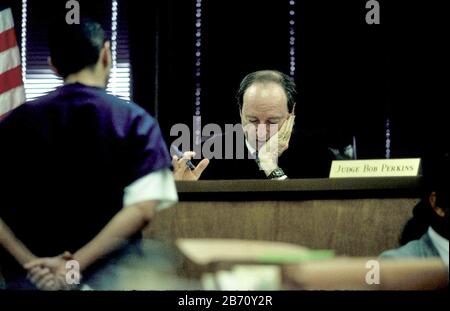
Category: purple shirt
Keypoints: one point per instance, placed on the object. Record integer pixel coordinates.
(66, 159)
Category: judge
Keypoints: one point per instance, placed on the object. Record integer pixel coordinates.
(266, 100)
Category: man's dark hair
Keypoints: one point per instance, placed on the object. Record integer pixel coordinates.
(283, 80)
(75, 47)
(436, 173)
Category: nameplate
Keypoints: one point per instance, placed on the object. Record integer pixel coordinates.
(375, 168)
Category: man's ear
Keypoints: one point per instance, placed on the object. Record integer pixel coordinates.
(105, 55)
(52, 67)
(432, 199)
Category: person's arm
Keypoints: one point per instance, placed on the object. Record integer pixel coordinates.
(50, 273)
(124, 224)
(128, 221)
(13, 245)
(140, 205)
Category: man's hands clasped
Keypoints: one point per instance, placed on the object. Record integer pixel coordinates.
(50, 273)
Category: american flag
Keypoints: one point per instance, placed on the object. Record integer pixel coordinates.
(12, 92)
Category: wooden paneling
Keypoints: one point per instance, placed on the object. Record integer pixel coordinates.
(361, 227)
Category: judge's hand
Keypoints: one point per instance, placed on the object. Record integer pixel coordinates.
(269, 153)
(49, 273)
(182, 172)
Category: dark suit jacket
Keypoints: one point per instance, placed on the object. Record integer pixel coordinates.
(306, 157)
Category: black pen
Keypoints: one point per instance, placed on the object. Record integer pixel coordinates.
(180, 154)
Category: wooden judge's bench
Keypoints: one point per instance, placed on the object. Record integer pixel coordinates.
(353, 217)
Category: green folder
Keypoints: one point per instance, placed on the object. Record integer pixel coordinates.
(296, 257)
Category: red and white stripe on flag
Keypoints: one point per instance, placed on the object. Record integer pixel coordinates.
(12, 92)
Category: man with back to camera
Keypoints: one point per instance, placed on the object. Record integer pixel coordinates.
(426, 234)
(85, 171)
(266, 101)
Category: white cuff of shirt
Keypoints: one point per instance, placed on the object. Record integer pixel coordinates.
(156, 186)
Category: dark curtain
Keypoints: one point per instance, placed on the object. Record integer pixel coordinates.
(351, 76)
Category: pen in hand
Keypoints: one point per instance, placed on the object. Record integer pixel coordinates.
(180, 154)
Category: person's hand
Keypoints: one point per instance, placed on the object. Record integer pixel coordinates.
(182, 172)
(269, 153)
(49, 273)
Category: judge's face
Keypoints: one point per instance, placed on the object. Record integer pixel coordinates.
(265, 107)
